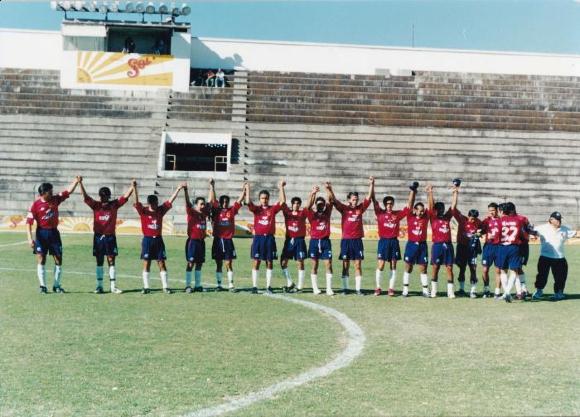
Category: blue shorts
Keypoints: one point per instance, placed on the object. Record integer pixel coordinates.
(389, 250)
(195, 250)
(508, 257)
(416, 253)
(223, 249)
(489, 256)
(466, 255)
(320, 248)
(294, 248)
(153, 249)
(525, 252)
(47, 242)
(264, 248)
(442, 253)
(104, 245)
(352, 249)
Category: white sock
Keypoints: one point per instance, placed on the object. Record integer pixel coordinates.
(406, 277)
(392, 280)
(497, 291)
(314, 280)
(163, 276)
(450, 288)
(268, 278)
(218, 278)
(328, 282)
(286, 274)
(41, 273)
(197, 278)
(518, 286)
(504, 280)
(57, 275)
(231, 279)
(510, 281)
(145, 279)
(474, 288)
(424, 280)
(254, 278)
(357, 282)
(345, 282)
(433, 288)
(100, 273)
(378, 277)
(188, 275)
(301, 275)
(113, 276)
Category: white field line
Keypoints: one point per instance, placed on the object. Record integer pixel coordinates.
(13, 244)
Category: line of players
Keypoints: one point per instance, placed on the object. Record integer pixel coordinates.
(506, 238)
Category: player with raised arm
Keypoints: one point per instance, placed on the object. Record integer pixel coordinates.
(223, 250)
(320, 246)
(416, 252)
(442, 248)
(152, 245)
(104, 239)
(44, 211)
(389, 250)
(468, 246)
(197, 213)
(264, 242)
(491, 229)
(351, 244)
(295, 243)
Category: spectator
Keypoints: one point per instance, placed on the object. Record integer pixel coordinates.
(220, 79)
(210, 79)
(129, 46)
(159, 48)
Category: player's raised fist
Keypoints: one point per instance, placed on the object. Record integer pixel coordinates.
(371, 180)
(282, 183)
(79, 179)
(429, 188)
(134, 182)
(211, 181)
(315, 189)
(328, 185)
(183, 185)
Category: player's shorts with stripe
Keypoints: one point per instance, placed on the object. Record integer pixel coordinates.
(466, 255)
(223, 249)
(47, 242)
(195, 250)
(416, 253)
(525, 252)
(294, 248)
(442, 253)
(489, 255)
(389, 250)
(264, 248)
(508, 257)
(104, 245)
(352, 249)
(153, 248)
(320, 249)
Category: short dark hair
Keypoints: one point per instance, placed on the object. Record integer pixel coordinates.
(198, 199)
(352, 193)
(45, 187)
(264, 192)
(388, 198)
(152, 199)
(223, 199)
(417, 205)
(296, 200)
(473, 213)
(319, 198)
(105, 192)
(439, 206)
(492, 205)
(510, 207)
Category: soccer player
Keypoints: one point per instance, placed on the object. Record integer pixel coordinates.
(197, 213)
(320, 246)
(264, 242)
(295, 243)
(389, 250)
(224, 226)
(491, 229)
(521, 288)
(104, 239)
(351, 244)
(552, 238)
(509, 256)
(442, 248)
(152, 245)
(44, 211)
(416, 252)
(468, 246)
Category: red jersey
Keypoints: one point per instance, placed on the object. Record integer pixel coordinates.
(224, 225)
(417, 227)
(512, 230)
(197, 222)
(105, 214)
(466, 229)
(46, 212)
(264, 218)
(389, 222)
(441, 227)
(320, 222)
(152, 221)
(525, 230)
(492, 228)
(352, 221)
(295, 222)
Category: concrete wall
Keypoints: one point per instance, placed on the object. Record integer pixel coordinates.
(31, 49)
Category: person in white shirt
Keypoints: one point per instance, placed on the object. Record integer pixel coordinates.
(552, 237)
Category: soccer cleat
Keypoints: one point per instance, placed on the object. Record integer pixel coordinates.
(525, 293)
(461, 293)
(472, 294)
(391, 292)
(219, 288)
(232, 289)
(329, 292)
(538, 295)
(43, 290)
(433, 294)
(254, 290)
(58, 290)
(486, 294)
(507, 298)
(167, 291)
(116, 291)
(99, 290)
(450, 294)
(269, 291)
(290, 288)
(344, 291)
(405, 291)
(378, 291)
(145, 291)
(559, 296)
(188, 289)
(198, 289)
(316, 291)
(520, 297)
(425, 293)
(359, 292)
(497, 297)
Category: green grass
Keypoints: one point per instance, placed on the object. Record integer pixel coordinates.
(86, 355)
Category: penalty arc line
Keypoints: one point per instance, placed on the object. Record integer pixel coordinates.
(14, 244)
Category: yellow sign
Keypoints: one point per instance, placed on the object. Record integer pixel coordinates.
(124, 69)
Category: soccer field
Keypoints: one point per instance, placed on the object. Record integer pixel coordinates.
(81, 354)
